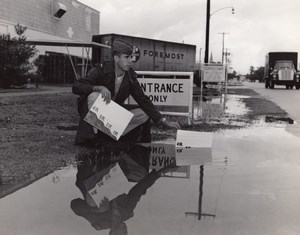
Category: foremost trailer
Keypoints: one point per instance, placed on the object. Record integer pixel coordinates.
(149, 54)
(281, 69)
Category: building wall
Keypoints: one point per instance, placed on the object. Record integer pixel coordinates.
(80, 22)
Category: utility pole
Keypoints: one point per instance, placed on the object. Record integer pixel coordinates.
(223, 33)
(200, 64)
(207, 32)
(226, 56)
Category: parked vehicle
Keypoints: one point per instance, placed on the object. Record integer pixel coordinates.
(281, 69)
(149, 54)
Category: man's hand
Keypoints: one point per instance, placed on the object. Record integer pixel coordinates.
(169, 124)
(104, 92)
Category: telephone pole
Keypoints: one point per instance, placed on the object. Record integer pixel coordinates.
(223, 33)
(207, 32)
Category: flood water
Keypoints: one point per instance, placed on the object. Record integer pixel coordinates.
(217, 106)
(247, 183)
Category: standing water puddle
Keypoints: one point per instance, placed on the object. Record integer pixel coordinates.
(249, 184)
(217, 107)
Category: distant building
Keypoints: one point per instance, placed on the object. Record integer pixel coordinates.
(63, 20)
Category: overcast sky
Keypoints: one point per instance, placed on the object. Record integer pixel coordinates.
(257, 27)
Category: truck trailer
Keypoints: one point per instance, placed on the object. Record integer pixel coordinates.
(149, 54)
(281, 69)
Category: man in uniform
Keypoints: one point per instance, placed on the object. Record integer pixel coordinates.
(116, 81)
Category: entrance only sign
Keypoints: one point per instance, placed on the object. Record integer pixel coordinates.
(170, 92)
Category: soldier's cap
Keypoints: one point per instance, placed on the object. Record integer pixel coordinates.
(121, 46)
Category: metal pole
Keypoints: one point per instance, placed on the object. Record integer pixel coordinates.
(223, 33)
(199, 76)
(200, 63)
(226, 72)
(223, 48)
(207, 32)
(74, 70)
(82, 62)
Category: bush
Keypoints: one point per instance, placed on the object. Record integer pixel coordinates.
(15, 53)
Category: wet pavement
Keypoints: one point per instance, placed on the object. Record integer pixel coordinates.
(286, 99)
(248, 184)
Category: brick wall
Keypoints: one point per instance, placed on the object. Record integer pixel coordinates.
(80, 22)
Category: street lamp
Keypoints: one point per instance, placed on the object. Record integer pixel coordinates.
(232, 10)
(208, 16)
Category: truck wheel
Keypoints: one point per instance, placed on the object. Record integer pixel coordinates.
(271, 85)
(297, 86)
(291, 87)
(287, 86)
(266, 84)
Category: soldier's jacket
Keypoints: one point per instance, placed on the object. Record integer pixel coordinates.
(105, 76)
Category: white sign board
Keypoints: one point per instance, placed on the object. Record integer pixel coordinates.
(166, 91)
(111, 118)
(170, 92)
(193, 139)
(213, 73)
(193, 147)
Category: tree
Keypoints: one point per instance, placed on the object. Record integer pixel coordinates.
(232, 75)
(15, 54)
(256, 74)
(259, 74)
(251, 70)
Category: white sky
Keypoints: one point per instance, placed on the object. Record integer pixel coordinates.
(257, 27)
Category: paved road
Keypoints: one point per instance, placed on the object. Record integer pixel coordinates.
(286, 99)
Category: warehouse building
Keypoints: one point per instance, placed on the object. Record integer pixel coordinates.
(48, 20)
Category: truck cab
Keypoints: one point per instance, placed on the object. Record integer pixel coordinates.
(280, 69)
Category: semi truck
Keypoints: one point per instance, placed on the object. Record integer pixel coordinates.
(149, 54)
(281, 69)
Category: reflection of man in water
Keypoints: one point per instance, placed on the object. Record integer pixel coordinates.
(112, 214)
(116, 80)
